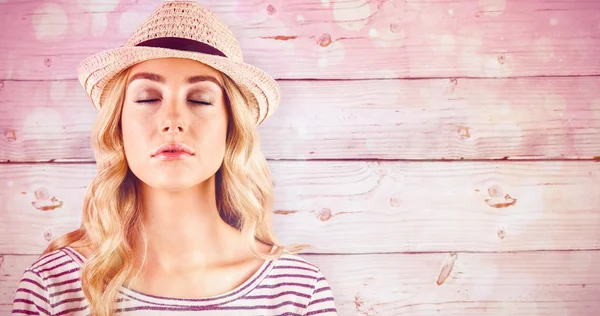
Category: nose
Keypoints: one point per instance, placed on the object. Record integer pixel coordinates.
(173, 127)
(173, 115)
(173, 121)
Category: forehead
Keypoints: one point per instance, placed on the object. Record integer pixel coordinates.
(175, 69)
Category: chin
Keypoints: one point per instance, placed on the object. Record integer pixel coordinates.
(171, 185)
(172, 179)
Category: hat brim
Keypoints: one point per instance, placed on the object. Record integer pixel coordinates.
(261, 91)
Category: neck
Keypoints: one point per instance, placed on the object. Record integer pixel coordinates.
(183, 229)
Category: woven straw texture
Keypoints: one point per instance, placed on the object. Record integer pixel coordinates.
(183, 19)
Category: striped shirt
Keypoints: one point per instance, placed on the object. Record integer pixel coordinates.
(289, 285)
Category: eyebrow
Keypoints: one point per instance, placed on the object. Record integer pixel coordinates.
(160, 79)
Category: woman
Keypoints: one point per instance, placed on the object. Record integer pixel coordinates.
(177, 220)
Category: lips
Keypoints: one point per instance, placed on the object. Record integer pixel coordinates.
(173, 148)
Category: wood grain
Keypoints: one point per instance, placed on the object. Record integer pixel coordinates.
(361, 207)
(525, 283)
(521, 118)
(440, 156)
(326, 40)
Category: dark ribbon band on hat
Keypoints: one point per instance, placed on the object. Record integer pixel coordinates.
(179, 43)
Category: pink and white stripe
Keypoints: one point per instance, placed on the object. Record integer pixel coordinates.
(288, 286)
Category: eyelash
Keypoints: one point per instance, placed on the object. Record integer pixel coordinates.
(154, 100)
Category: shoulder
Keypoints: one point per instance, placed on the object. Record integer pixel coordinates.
(293, 272)
(320, 296)
(300, 266)
(56, 266)
(297, 261)
(58, 259)
(55, 270)
(41, 281)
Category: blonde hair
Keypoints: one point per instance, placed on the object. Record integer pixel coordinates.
(112, 222)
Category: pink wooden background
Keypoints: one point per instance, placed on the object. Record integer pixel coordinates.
(441, 156)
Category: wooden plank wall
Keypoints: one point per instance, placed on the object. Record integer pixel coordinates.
(441, 156)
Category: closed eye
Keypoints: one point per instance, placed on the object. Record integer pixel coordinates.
(200, 102)
(147, 101)
(191, 101)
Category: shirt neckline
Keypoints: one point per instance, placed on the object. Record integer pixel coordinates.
(175, 302)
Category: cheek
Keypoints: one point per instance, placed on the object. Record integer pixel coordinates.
(212, 138)
(134, 138)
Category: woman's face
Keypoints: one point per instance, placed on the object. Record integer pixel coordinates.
(174, 100)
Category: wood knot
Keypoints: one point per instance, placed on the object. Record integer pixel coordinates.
(358, 301)
(396, 200)
(10, 134)
(324, 40)
(271, 9)
(495, 191)
(48, 235)
(395, 26)
(501, 59)
(325, 214)
(446, 268)
(501, 202)
(48, 62)
(44, 201)
(41, 194)
(284, 212)
(282, 37)
(498, 199)
(501, 233)
(463, 132)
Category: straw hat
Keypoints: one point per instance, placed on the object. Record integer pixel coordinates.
(183, 29)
